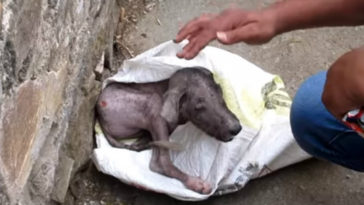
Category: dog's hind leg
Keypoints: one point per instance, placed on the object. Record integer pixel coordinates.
(161, 161)
(154, 164)
(142, 143)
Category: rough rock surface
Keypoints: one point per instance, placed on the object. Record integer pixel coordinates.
(49, 50)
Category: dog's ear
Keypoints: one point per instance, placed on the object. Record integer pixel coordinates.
(171, 104)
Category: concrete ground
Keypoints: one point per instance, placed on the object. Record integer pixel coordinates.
(294, 56)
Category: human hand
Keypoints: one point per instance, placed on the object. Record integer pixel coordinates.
(344, 87)
(228, 27)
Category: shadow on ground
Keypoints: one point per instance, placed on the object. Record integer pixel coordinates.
(309, 182)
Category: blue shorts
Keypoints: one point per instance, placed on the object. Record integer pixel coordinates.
(319, 133)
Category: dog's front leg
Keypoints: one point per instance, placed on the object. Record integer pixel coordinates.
(161, 161)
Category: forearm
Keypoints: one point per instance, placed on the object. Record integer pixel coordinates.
(299, 14)
(344, 88)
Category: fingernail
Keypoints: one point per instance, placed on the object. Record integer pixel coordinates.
(188, 56)
(222, 36)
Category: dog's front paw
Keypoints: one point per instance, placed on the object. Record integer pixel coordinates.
(198, 185)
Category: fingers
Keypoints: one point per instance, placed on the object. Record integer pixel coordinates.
(198, 45)
(193, 26)
(188, 47)
(195, 45)
(187, 30)
(246, 34)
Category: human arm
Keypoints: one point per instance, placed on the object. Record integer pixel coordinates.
(344, 87)
(256, 27)
(300, 14)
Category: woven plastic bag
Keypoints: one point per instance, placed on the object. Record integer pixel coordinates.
(256, 97)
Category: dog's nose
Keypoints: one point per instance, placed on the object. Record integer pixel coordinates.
(235, 130)
(228, 139)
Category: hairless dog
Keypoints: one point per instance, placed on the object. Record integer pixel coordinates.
(128, 110)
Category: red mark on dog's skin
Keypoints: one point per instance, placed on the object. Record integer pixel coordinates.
(103, 104)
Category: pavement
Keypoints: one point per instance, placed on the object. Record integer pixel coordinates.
(294, 56)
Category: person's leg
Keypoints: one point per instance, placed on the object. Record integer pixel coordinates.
(319, 133)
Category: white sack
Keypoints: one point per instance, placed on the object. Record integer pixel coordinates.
(256, 97)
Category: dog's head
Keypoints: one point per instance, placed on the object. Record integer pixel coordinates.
(194, 95)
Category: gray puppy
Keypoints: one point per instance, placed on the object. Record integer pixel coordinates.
(134, 109)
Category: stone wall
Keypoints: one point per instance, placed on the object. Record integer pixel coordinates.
(49, 50)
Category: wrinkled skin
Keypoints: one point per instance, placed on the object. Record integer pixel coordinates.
(130, 110)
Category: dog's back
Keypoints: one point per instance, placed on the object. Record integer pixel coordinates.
(125, 109)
